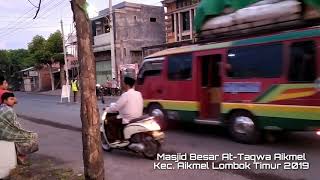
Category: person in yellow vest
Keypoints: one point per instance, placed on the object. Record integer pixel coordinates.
(74, 88)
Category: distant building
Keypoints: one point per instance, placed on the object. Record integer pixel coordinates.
(135, 26)
(179, 24)
(180, 19)
(35, 79)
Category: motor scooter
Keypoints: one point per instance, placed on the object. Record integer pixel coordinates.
(142, 135)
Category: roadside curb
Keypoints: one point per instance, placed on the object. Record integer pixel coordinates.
(71, 95)
(50, 123)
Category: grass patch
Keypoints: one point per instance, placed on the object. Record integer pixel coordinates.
(44, 168)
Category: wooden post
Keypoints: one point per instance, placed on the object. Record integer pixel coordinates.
(92, 151)
(191, 24)
(180, 26)
(175, 24)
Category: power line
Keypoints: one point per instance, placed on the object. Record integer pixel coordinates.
(39, 6)
(24, 17)
(37, 27)
(32, 4)
(45, 15)
(27, 12)
(19, 20)
(39, 20)
(49, 6)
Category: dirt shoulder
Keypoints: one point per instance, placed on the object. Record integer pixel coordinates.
(42, 167)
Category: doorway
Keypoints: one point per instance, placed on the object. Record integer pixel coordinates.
(210, 93)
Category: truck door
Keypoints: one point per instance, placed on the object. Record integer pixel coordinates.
(210, 91)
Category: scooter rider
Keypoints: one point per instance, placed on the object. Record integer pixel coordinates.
(129, 106)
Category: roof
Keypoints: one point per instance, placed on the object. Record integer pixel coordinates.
(105, 12)
(288, 35)
(27, 69)
(153, 59)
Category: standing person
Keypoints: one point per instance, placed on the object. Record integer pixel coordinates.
(99, 93)
(3, 86)
(114, 87)
(26, 142)
(109, 86)
(74, 87)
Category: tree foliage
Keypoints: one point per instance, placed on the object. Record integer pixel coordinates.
(54, 43)
(47, 51)
(38, 43)
(54, 46)
(40, 52)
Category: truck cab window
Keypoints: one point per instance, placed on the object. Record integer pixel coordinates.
(302, 62)
(152, 68)
(180, 67)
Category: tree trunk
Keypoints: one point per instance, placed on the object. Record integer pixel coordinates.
(51, 77)
(92, 151)
(62, 75)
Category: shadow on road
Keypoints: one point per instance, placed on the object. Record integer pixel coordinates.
(297, 140)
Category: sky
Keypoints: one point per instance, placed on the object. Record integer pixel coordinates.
(17, 27)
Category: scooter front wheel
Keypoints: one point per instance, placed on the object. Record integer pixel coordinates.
(151, 148)
(105, 145)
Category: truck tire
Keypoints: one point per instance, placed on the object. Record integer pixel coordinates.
(243, 128)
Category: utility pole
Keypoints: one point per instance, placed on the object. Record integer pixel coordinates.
(112, 43)
(65, 61)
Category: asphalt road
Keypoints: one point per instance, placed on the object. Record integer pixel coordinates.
(48, 117)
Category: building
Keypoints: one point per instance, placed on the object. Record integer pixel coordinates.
(35, 79)
(72, 54)
(135, 26)
(179, 25)
(180, 19)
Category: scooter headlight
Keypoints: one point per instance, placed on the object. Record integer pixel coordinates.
(157, 113)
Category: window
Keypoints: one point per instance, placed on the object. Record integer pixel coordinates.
(180, 67)
(103, 70)
(135, 18)
(136, 56)
(210, 70)
(99, 27)
(106, 29)
(264, 61)
(302, 62)
(185, 21)
(153, 19)
(152, 68)
(99, 30)
(184, 3)
(172, 22)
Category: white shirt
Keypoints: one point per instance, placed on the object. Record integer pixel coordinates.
(129, 106)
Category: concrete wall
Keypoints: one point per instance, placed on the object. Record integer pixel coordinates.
(102, 39)
(45, 84)
(135, 30)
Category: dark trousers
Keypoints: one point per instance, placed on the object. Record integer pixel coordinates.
(115, 127)
(75, 96)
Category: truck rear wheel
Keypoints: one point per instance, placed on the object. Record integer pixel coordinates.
(243, 128)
